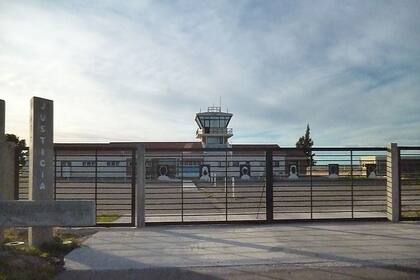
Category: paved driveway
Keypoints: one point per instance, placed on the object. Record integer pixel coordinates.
(390, 249)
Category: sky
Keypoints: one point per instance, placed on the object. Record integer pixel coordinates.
(140, 70)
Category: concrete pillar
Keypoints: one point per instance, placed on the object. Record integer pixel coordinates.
(8, 184)
(7, 180)
(140, 186)
(41, 162)
(7, 164)
(2, 120)
(2, 148)
(393, 183)
(7, 161)
(2, 139)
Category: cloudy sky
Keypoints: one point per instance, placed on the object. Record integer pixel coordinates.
(140, 70)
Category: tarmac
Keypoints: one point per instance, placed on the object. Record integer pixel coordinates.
(315, 250)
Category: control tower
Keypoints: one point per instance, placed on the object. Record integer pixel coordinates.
(213, 131)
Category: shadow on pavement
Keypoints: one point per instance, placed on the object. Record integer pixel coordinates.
(317, 255)
(150, 273)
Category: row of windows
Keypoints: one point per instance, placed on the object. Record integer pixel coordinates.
(91, 163)
(214, 121)
(115, 163)
(191, 162)
(276, 163)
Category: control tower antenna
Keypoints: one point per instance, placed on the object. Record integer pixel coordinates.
(220, 101)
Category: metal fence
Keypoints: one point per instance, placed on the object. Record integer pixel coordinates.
(332, 183)
(233, 185)
(278, 185)
(205, 186)
(410, 182)
(104, 174)
(22, 174)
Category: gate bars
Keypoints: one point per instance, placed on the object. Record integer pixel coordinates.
(409, 164)
(333, 183)
(283, 184)
(176, 193)
(105, 174)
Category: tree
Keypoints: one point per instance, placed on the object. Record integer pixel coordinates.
(20, 146)
(305, 143)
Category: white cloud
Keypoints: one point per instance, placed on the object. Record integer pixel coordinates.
(140, 70)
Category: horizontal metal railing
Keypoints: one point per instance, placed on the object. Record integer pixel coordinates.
(410, 182)
(215, 130)
(105, 175)
(283, 184)
(22, 175)
(175, 191)
(333, 183)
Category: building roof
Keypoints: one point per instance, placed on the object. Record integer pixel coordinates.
(161, 146)
(256, 146)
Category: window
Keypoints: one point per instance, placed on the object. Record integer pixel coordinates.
(112, 163)
(88, 163)
(66, 163)
(276, 163)
(215, 140)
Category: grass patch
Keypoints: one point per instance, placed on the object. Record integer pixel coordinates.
(110, 218)
(18, 268)
(411, 214)
(15, 234)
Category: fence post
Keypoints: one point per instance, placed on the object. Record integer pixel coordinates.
(393, 183)
(17, 170)
(226, 188)
(311, 184)
(140, 186)
(2, 147)
(96, 185)
(352, 184)
(55, 175)
(182, 186)
(269, 185)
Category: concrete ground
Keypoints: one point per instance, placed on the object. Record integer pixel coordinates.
(352, 250)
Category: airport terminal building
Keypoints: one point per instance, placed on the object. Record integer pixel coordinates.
(210, 157)
(211, 179)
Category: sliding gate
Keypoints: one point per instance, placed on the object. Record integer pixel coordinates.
(331, 183)
(191, 186)
(410, 182)
(255, 185)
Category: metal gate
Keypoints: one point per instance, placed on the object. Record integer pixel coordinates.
(265, 185)
(205, 186)
(104, 174)
(331, 183)
(409, 183)
(233, 185)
